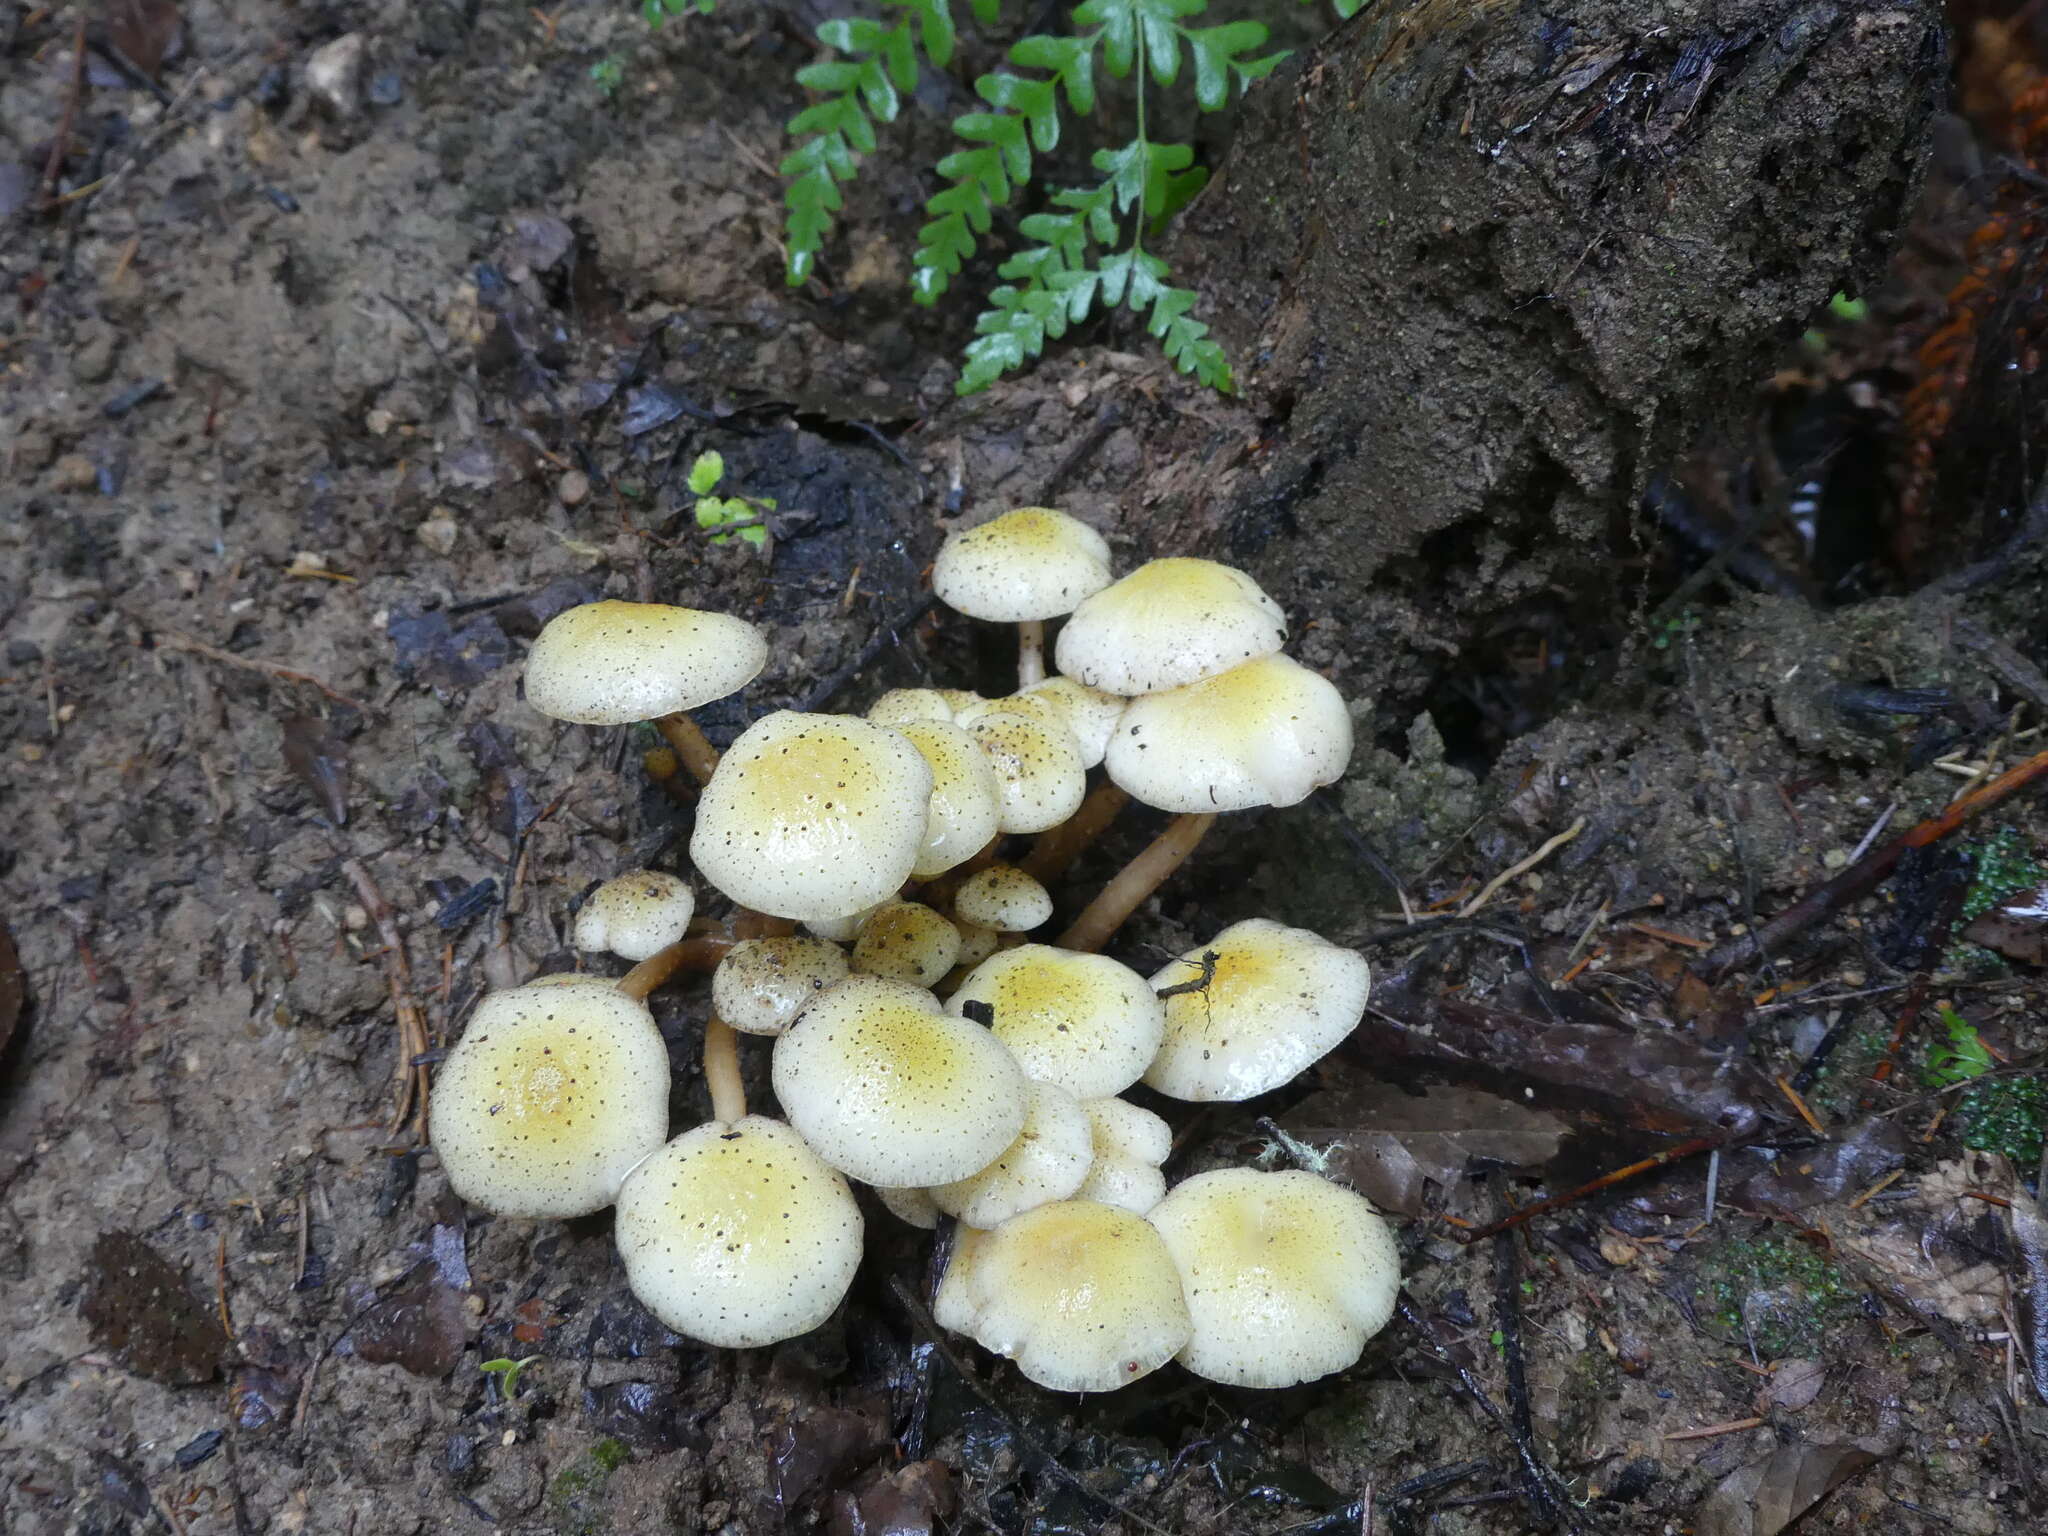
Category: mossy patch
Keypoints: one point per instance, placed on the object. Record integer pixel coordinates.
(1779, 1292)
(575, 1496)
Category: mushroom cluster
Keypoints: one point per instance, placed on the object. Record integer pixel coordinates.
(923, 1044)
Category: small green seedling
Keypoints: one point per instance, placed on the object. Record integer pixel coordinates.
(1958, 1058)
(739, 516)
(507, 1371)
(1842, 307)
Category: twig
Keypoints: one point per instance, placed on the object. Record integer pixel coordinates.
(1684, 1149)
(1538, 1486)
(60, 146)
(1860, 878)
(176, 640)
(409, 1073)
(1487, 891)
(1708, 1431)
(1792, 1095)
(1107, 420)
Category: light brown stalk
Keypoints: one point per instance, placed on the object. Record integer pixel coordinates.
(722, 1071)
(1135, 881)
(691, 746)
(701, 953)
(1055, 850)
(1030, 653)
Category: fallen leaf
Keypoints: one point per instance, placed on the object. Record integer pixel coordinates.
(319, 758)
(143, 32)
(2017, 929)
(420, 1326)
(1796, 1383)
(140, 1306)
(1388, 1144)
(1766, 1496)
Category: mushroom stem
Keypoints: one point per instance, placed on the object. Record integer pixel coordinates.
(1135, 881)
(701, 953)
(690, 745)
(1030, 652)
(722, 1071)
(1055, 850)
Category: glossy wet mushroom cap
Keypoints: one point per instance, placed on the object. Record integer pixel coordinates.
(614, 663)
(906, 941)
(1048, 1161)
(1085, 1022)
(1169, 623)
(1033, 563)
(1129, 1144)
(635, 914)
(966, 802)
(1004, 898)
(761, 984)
(550, 1097)
(738, 1235)
(813, 817)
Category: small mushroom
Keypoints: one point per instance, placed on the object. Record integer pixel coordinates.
(1004, 898)
(1039, 778)
(906, 941)
(1048, 1161)
(1085, 1022)
(1022, 568)
(914, 1206)
(1129, 1143)
(966, 803)
(1252, 1009)
(635, 914)
(550, 1097)
(1083, 1296)
(813, 816)
(1286, 1275)
(738, 1235)
(1088, 712)
(890, 1090)
(900, 706)
(761, 984)
(1169, 623)
(614, 663)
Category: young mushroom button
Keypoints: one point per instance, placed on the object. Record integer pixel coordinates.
(635, 914)
(1129, 1145)
(1022, 568)
(762, 983)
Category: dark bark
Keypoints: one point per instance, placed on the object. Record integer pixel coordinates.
(1489, 266)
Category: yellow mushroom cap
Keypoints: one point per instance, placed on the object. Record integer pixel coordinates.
(1033, 563)
(1169, 623)
(1046, 1162)
(891, 1091)
(1266, 732)
(1088, 712)
(738, 1235)
(1083, 1296)
(762, 983)
(1130, 1143)
(1279, 1000)
(1085, 1022)
(1004, 898)
(906, 941)
(1286, 1275)
(612, 663)
(966, 803)
(976, 943)
(899, 706)
(634, 914)
(812, 816)
(1039, 778)
(551, 1096)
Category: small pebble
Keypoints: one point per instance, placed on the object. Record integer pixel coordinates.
(387, 88)
(573, 488)
(438, 532)
(74, 472)
(334, 74)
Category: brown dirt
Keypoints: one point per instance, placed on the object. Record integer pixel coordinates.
(266, 623)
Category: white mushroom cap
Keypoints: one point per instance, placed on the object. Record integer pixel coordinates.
(976, 943)
(1287, 1275)
(635, 914)
(914, 1206)
(1168, 623)
(1088, 712)
(906, 941)
(812, 816)
(1083, 1296)
(1130, 1144)
(1039, 776)
(1033, 563)
(891, 1091)
(899, 706)
(1003, 897)
(612, 663)
(841, 930)
(761, 983)
(1085, 1022)
(1266, 732)
(1046, 1162)
(551, 1096)
(966, 802)
(738, 1235)
(1279, 1000)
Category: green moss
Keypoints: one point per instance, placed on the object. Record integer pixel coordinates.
(1779, 1291)
(2005, 864)
(575, 1495)
(2006, 1115)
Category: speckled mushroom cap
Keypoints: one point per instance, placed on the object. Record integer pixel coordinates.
(966, 803)
(1266, 732)
(812, 816)
(1130, 1144)
(1088, 712)
(906, 941)
(1083, 1296)
(899, 706)
(1004, 898)
(1033, 563)
(612, 663)
(761, 983)
(738, 1235)
(1046, 1162)
(976, 943)
(635, 914)
(891, 1091)
(1085, 1022)
(1286, 1275)
(1169, 623)
(551, 1096)
(1280, 999)
(1039, 777)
